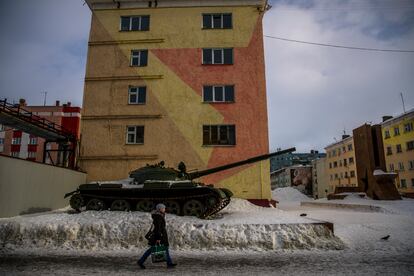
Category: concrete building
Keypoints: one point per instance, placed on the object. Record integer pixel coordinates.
(319, 178)
(341, 164)
(298, 176)
(398, 140)
(177, 81)
(290, 159)
(17, 143)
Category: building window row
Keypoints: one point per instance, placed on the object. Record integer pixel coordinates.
(399, 149)
(212, 135)
(403, 183)
(222, 93)
(408, 127)
(340, 150)
(217, 21)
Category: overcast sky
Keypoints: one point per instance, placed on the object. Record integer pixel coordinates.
(314, 92)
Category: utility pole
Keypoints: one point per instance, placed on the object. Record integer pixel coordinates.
(402, 99)
(44, 99)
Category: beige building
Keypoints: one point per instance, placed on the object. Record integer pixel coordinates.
(398, 140)
(341, 164)
(320, 178)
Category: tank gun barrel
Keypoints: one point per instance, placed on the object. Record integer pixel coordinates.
(198, 174)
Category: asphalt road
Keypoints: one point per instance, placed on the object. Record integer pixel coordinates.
(345, 262)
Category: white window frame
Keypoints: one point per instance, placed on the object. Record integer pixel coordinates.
(397, 131)
(134, 132)
(33, 141)
(392, 167)
(136, 94)
(130, 23)
(212, 56)
(387, 134)
(218, 135)
(408, 127)
(16, 141)
(135, 56)
(401, 166)
(223, 95)
(411, 165)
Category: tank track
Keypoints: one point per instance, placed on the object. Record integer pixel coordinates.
(209, 211)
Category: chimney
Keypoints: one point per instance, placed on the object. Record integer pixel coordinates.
(69, 103)
(385, 118)
(22, 102)
(345, 136)
(57, 103)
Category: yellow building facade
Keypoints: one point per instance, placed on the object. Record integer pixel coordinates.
(177, 81)
(341, 164)
(398, 140)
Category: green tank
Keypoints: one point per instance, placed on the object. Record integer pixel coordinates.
(155, 184)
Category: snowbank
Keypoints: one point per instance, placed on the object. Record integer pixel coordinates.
(241, 226)
(288, 194)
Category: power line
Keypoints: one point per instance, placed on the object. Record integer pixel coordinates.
(341, 46)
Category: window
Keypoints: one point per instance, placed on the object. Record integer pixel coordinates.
(412, 182)
(391, 167)
(399, 149)
(33, 141)
(408, 127)
(403, 183)
(218, 93)
(387, 134)
(135, 23)
(139, 58)
(396, 131)
(218, 56)
(217, 21)
(135, 135)
(1, 127)
(351, 160)
(1, 141)
(343, 149)
(346, 174)
(330, 165)
(137, 95)
(14, 154)
(400, 166)
(342, 175)
(411, 164)
(389, 150)
(16, 141)
(345, 163)
(334, 153)
(410, 145)
(335, 164)
(31, 154)
(336, 176)
(352, 173)
(349, 147)
(219, 135)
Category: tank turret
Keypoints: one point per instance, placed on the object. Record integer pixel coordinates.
(155, 183)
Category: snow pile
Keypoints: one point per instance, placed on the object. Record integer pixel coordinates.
(255, 229)
(288, 194)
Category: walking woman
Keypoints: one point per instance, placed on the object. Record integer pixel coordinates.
(160, 236)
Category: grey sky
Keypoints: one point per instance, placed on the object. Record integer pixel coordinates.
(314, 92)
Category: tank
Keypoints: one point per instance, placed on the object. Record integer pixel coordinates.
(154, 184)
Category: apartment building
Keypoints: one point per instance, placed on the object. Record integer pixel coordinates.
(319, 178)
(16, 143)
(177, 81)
(341, 164)
(398, 140)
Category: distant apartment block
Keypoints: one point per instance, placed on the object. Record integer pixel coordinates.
(17, 143)
(319, 178)
(290, 159)
(398, 140)
(341, 164)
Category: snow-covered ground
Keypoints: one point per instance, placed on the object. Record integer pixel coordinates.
(208, 247)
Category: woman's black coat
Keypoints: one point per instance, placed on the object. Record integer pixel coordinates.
(160, 232)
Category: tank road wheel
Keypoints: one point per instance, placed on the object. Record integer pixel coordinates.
(193, 208)
(145, 205)
(173, 207)
(76, 202)
(95, 204)
(120, 205)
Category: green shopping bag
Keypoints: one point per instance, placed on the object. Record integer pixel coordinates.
(158, 253)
